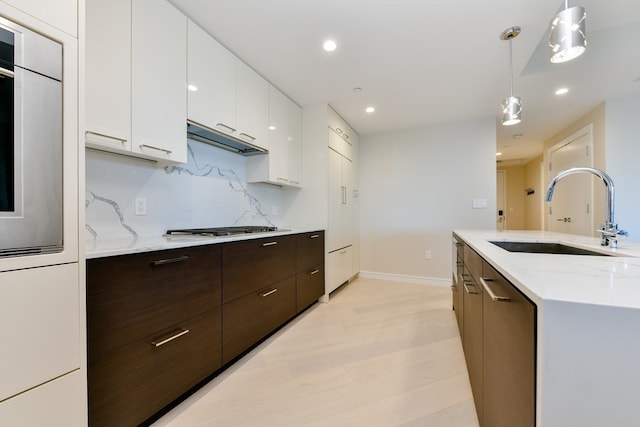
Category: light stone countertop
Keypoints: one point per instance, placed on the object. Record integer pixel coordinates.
(612, 281)
(100, 248)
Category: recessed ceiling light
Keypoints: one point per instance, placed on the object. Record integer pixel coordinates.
(498, 153)
(357, 89)
(370, 109)
(272, 127)
(562, 91)
(192, 88)
(517, 136)
(329, 45)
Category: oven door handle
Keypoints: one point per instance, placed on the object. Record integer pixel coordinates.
(7, 73)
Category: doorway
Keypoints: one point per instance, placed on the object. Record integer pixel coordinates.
(571, 209)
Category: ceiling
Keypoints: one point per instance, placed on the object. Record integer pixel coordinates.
(428, 62)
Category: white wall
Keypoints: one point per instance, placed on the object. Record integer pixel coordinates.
(622, 156)
(210, 190)
(415, 187)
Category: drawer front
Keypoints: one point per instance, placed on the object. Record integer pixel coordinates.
(309, 250)
(141, 379)
(309, 286)
(39, 326)
(133, 296)
(473, 262)
(248, 319)
(253, 264)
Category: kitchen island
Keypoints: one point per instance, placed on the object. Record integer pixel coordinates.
(587, 325)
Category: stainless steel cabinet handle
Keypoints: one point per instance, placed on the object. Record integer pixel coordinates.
(102, 135)
(170, 260)
(266, 294)
(6, 73)
(466, 288)
(156, 148)
(229, 128)
(493, 296)
(314, 236)
(251, 137)
(269, 244)
(161, 341)
(316, 271)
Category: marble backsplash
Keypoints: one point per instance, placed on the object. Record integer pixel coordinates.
(209, 191)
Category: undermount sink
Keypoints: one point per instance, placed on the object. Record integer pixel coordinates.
(545, 248)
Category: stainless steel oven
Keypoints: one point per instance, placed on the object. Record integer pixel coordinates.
(31, 211)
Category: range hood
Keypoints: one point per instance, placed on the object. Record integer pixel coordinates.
(210, 136)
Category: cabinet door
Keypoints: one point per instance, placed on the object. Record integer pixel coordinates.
(509, 354)
(39, 326)
(336, 201)
(252, 105)
(472, 338)
(62, 14)
(108, 73)
(211, 70)
(158, 80)
(347, 206)
(294, 143)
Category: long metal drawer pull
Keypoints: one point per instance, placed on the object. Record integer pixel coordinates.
(170, 260)
(102, 135)
(222, 125)
(316, 271)
(493, 296)
(156, 148)
(7, 73)
(266, 294)
(314, 236)
(178, 334)
(251, 137)
(466, 288)
(269, 244)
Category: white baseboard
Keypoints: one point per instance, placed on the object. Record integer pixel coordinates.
(420, 280)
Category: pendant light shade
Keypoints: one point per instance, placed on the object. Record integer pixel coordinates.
(567, 38)
(511, 107)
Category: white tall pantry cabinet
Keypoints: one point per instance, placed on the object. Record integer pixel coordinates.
(329, 196)
(42, 297)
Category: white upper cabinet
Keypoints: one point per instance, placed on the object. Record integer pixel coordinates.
(212, 82)
(252, 103)
(136, 74)
(108, 71)
(283, 164)
(225, 94)
(61, 14)
(347, 137)
(158, 80)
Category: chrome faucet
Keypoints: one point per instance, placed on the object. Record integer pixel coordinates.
(609, 230)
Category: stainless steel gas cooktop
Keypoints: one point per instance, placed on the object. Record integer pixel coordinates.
(224, 231)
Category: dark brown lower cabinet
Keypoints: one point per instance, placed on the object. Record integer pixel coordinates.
(140, 379)
(472, 337)
(250, 318)
(509, 354)
(310, 286)
(499, 340)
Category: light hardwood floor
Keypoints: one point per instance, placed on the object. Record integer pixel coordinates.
(378, 354)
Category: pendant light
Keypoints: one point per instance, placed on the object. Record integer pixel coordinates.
(511, 107)
(567, 38)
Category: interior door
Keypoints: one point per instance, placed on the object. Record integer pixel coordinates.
(571, 209)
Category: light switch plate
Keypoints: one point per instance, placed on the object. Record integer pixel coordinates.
(479, 203)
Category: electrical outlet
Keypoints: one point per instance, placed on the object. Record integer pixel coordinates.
(141, 206)
(427, 254)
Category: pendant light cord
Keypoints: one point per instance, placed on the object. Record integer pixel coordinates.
(510, 67)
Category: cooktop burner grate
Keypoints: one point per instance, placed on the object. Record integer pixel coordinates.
(224, 231)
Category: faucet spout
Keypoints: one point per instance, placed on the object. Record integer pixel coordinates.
(609, 230)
